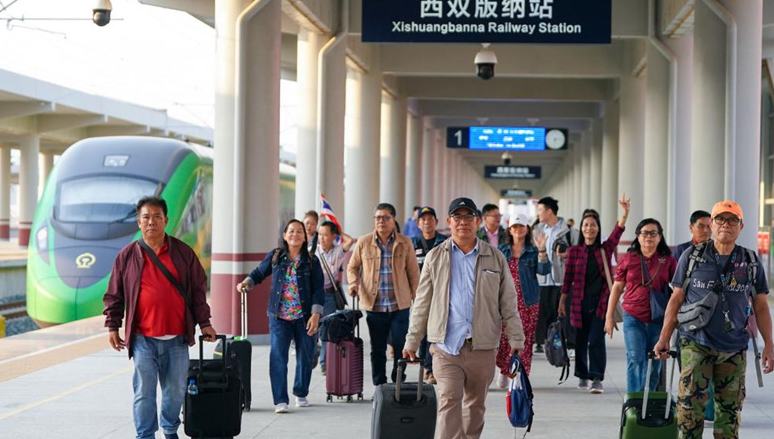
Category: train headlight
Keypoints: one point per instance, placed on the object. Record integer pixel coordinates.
(42, 238)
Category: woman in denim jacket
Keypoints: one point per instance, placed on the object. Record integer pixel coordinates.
(525, 261)
(295, 306)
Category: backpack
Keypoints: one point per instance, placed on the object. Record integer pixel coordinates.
(340, 325)
(518, 400)
(556, 349)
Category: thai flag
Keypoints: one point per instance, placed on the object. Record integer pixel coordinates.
(327, 212)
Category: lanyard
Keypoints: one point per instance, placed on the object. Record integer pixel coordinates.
(726, 278)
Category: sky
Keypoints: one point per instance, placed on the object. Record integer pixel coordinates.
(155, 57)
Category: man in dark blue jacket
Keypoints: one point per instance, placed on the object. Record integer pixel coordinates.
(700, 232)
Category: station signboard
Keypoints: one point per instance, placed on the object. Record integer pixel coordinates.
(516, 193)
(487, 21)
(489, 138)
(509, 172)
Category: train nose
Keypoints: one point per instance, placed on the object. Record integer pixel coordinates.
(56, 301)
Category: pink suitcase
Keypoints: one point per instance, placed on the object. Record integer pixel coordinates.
(344, 368)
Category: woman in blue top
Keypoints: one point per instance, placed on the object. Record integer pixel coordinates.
(525, 260)
(295, 304)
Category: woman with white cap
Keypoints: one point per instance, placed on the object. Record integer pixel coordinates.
(525, 260)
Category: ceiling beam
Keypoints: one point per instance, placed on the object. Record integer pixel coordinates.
(543, 89)
(56, 122)
(508, 109)
(12, 109)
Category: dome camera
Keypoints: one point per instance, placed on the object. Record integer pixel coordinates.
(485, 63)
(101, 12)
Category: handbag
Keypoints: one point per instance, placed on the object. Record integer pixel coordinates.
(338, 295)
(618, 312)
(658, 298)
(518, 400)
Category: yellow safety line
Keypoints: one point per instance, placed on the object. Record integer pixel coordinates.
(61, 395)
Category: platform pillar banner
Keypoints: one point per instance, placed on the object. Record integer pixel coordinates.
(5, 192)
(610, 193)
(655, 158)
(308, 46)
(29, 147)
(428, 159)
(679, 206)
(246, 165)
(631, 145)
(413, 169)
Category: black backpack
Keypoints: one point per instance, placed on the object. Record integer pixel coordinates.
(556, 349)
(339, 325)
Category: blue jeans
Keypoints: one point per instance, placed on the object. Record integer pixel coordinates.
(329, 307)
(380, 325)
(640, 338)
(281, 332)
(156, 362)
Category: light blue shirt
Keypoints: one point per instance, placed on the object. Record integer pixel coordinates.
(462, 287)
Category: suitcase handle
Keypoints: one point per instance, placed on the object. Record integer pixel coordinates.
(243, 308)
(651, 357)
(222, 338)
(402, 362)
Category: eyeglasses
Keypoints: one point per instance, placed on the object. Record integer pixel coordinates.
(649, 233)
(463, 218)
(495, 215)
(730, 220)
(384, 218)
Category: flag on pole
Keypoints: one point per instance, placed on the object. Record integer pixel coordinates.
(327, 212)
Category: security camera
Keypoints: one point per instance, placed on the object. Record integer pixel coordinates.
(485, 63)
(101, 12)
(506, 157)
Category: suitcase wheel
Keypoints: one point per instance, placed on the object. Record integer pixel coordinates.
(329, 398)
(349, 398)
(360, 396)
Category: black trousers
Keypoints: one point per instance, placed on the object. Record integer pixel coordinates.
(382, 325)
(590, 349)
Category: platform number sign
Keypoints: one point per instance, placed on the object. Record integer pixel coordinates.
(457, 137)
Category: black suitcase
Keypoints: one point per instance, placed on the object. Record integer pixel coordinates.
(213, 397)
(404, 410)
(240, 355)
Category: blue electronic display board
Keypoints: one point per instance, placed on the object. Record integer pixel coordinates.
(508, 138)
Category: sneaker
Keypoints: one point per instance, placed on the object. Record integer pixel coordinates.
(429, 378)
(302, 402)
(583, 384)
(502, 381)
(281, 408)
(539, 349)
(571, 354)
(597, 387)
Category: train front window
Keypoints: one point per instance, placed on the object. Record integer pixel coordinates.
(99, 199)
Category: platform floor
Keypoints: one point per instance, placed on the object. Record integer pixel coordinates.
(90, 396)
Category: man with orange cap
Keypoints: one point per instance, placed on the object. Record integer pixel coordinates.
(717, 285)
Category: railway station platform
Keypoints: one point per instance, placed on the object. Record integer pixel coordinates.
(66, 384)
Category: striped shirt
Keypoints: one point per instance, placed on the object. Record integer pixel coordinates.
(385, 299)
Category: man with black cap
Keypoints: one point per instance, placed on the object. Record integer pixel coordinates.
(426, 241)
(465, 294)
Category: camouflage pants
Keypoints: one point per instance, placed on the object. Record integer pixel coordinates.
(702, 366)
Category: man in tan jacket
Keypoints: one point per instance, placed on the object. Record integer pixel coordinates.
(383, 271)
(465, 294)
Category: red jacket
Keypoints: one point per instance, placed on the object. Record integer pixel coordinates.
(124, 288)
(575, 275)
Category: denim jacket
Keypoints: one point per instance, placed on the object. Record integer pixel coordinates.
(529, 268)
(310, 282)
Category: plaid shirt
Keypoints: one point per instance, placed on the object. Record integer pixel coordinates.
(575, 275)
(385, 300)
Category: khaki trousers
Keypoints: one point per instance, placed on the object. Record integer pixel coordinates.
(463, 383)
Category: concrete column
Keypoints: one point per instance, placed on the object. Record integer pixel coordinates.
(708, 125)
(630, 150)
(363, 134)
(585, 175)
(392, 184)
(46, 165)
(576, 199)
(679, 206)
(427, 168)
(331, 111)
(655, 158)
(246, 158)
(609, 193)
(308, 50)
(743, 156)
(439, 171)
(414, 149)
(595, 193)
(5, 192)
(28, 185)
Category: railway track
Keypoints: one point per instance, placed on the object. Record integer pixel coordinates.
(13, 310)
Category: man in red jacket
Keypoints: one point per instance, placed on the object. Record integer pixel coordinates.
(160, 316)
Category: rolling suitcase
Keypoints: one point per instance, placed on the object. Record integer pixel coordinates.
(404, 410)
(650, 415)
(213, 397)
(344, 366)
(240, 354)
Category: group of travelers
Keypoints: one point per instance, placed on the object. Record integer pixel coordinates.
(464, 304)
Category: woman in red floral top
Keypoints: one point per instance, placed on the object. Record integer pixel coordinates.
(587, 289)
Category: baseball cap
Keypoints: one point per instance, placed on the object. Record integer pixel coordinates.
(518, 219)
(427, 210)
(463, 203)
(727, 206)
